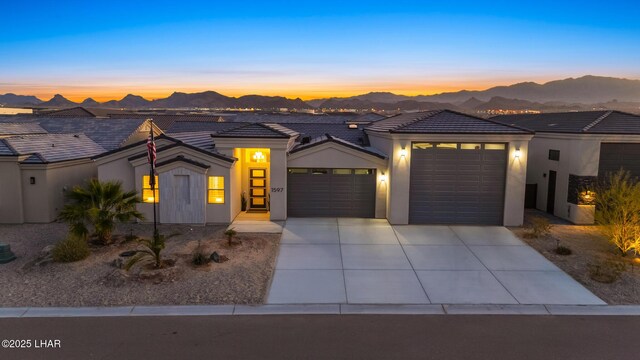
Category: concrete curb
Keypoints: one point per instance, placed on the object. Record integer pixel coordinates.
(322, 309)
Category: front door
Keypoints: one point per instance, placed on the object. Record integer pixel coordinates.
(258, 189)
(551, 192)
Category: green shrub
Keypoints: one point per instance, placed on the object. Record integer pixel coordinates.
(230, 234)
(618, 211)
(71, 249)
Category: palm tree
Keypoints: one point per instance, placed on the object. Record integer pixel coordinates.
(99, 205)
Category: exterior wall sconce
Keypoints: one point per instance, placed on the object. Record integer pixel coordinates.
(403, 152)
(32, 180)
(517, 153)
(383, 177)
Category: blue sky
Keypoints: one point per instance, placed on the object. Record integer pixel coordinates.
(314, 49)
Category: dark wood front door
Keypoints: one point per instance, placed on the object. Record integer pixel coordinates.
(258, 189)
(551, 192)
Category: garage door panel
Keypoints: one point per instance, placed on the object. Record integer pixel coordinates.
(614, 156)
(457, 186)
(331, 195)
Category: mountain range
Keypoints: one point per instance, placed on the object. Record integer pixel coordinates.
(569, 94)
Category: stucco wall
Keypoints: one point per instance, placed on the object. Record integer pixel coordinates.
(11, 211)
(44, 200)
(400, 170)
(577, 156)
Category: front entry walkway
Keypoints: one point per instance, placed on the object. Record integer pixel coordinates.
(368, 261)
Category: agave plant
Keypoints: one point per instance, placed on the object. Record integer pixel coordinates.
(99, 205)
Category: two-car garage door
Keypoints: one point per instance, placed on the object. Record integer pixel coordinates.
(322, 192)
(457, 183)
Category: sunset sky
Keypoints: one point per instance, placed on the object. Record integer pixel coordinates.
(106, 50)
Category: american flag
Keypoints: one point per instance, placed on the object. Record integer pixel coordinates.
(151, 157)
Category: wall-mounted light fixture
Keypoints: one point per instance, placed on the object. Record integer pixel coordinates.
(383, 177)
(258, 157)
(517, 153)
(32, 180)
(403, 152)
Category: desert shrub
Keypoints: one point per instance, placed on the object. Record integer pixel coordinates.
(198, 257)
(563, 250)
(540, 226)
(606, 271)
(230, 234)
(618, 210)
(72, 248)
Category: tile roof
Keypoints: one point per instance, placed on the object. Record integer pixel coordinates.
(194, 141)
(342, 131)
(21, 129)
(256, 130)
(442, 122)
(580, 122)
(212, 127)
(167, 121)
(200, 140)
(367, 118)
(286, 118)
(5, 149)
(54, 147)
(328, 138)
(109, 133)
(78, 111)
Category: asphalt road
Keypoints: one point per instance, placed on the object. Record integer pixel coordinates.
(328, 337)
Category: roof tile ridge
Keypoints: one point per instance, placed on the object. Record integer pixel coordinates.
(596, 121)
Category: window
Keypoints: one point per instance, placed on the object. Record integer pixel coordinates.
(422, 145)
(447, 146)
(298, 171)
(149, 196)
(216, 190)
(318, 171)
(341, 171)
(363, 171)
(470, 146)
(494, 146)
(554, 155)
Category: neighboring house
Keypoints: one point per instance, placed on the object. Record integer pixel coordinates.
(437, 167)
(42, 158)
(570, 151)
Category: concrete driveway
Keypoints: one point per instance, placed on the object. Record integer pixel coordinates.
(368, 261)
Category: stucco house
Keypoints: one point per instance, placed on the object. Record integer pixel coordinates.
(43, 157)
(570, 151)
(436, 167)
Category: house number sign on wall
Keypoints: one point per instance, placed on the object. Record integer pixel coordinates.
(277, 189)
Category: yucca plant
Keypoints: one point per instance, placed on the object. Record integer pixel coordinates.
(95, 208)
(151, 252)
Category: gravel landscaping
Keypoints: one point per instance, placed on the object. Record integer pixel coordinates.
(589, 250)
(96, 281)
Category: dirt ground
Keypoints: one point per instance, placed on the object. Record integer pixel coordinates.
(588, 248)
(95, 281)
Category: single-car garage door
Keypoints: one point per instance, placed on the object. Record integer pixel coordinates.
(331, 192)
(616, 156)
(457, 183)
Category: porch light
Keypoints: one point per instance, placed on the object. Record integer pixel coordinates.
(258, 156)
(517, 153)
(383, 177)
(403, 152)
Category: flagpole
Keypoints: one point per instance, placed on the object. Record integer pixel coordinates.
(152, 180)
